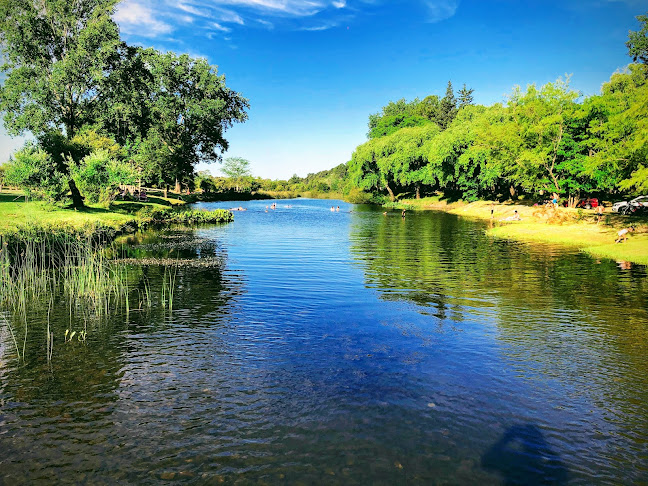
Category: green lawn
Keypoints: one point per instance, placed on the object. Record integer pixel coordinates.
(597, 240)
(15, 213)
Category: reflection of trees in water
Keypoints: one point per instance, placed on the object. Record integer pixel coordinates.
(582, 322)
(447, 262)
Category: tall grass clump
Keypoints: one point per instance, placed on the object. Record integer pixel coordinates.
(37, 268)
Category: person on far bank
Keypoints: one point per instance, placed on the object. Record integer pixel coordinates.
(599, 212)
(623, 234)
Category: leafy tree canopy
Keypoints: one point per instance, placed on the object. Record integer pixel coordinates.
(67, 73)
(638, 41)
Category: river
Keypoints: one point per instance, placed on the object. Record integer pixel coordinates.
(310, 346)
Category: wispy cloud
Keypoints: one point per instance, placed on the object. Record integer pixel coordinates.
(441, 9)
(151, 18)
(265, 23)
(137, 18)
(220, 27)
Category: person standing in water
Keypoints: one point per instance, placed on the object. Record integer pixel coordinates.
(403, 214)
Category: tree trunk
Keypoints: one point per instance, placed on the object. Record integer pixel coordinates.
(512, 191)
(178, 189)
(391, 193)
(418, 191)
(166, 191)
(77, 198)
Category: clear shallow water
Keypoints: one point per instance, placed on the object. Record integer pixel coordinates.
(345, 348)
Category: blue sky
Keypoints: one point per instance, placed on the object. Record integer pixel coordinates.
(314, 70)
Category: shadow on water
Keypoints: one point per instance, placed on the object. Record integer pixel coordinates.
(522, 456)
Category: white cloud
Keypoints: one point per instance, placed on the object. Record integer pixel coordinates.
(441, 9)
(220, 27)
(339, 4)
(265, 23)
(230, 17)
(135, 18)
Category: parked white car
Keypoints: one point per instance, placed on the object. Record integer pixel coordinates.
(627, 207)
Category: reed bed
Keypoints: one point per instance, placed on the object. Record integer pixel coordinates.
(73, 275)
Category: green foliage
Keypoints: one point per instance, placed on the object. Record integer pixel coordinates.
(637, 182)
(447, 108)
(543, 117)
(189, 108)
(237, 169)
(70, 80)
(638, 41)
(34, 171)
(99, 175)
(149, 215)
(617, 125)
(543, 140)
(389, 124)
(465, 96)
(55, 55)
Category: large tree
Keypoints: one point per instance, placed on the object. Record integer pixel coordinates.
(617, 142)
(55, 54)
(544, 118)
(465, 96)
(66, 69)
(189, 107)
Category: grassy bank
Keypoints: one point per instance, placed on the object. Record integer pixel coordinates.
(19, 218)
(565, 226)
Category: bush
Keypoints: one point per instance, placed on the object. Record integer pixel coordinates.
(98, 176)
(34, 171)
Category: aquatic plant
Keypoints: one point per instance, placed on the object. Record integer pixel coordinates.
(151, 216)
(74, 271)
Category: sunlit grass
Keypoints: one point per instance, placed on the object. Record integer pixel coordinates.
(597, 240)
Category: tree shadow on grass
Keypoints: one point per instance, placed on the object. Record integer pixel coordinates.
(523, 457)
(11, 197)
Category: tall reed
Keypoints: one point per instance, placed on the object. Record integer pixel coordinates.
(73, 268)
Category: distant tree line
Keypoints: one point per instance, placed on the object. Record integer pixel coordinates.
(239, 181)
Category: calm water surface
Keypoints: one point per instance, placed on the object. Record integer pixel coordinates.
(314, 347)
